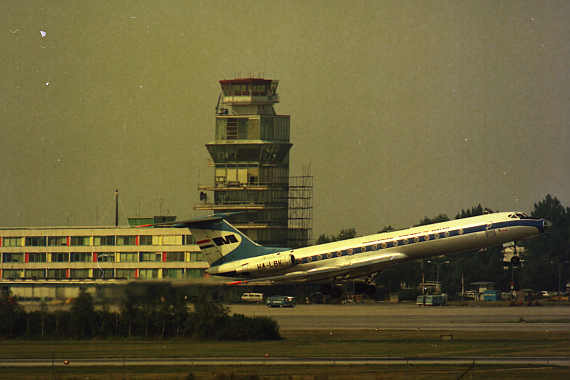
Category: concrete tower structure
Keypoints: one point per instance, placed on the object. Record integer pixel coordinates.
(250, 156)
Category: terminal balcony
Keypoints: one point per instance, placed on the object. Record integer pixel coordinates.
(250, 99)
(238, 206)
(237, 185)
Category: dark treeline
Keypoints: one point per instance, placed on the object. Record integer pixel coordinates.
(160, 318)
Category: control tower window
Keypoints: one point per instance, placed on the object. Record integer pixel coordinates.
(259, 90)
(232, 129)
(239, 89)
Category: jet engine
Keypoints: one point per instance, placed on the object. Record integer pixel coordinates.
(276, 262)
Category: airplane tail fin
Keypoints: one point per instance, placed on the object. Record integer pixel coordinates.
(220, 241)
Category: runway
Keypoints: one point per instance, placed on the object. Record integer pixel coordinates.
(408, 316)
(285, 361)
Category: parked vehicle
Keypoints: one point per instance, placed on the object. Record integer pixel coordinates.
(436, 300)
(421, 301)
(281, 301)
(469, 294)
(252, 297)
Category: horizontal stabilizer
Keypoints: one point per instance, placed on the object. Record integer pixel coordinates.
(194, 221)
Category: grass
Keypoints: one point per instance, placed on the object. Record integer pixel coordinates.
(303, 344)
(310, 343)
(291, 373)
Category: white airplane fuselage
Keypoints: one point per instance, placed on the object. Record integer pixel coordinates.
(367, 255)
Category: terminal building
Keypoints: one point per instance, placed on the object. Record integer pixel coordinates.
(250, 157)
(53, 262)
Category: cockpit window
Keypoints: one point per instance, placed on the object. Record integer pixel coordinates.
(519, 215)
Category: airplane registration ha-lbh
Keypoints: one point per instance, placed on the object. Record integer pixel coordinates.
(232, 254)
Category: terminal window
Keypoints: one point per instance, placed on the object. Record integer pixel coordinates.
(151, 256)
(79, 273)
(37, 257)
(12, 273)
(12, 242)
(174, 256)
(148, 273)
(79, 240)
(145, 240)
(104, 240)
(35, 241)
(126, 240)
(106, 257)
(56, 241)
(13, 257)
(35, 273)
(127, 273)
(196, 256)
(57, 273)
(60, 257)
(128, 257)
(81, 257)
(103, 273)
(172, 273)
(172, 240)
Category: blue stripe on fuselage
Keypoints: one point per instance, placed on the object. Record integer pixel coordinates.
(538, 224)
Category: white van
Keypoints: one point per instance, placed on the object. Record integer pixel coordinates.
(252, 297)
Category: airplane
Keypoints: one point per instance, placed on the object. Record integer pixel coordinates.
(232, 254)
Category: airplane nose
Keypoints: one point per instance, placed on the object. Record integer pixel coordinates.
(547, 225)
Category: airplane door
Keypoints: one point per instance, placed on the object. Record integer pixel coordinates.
(490, 231)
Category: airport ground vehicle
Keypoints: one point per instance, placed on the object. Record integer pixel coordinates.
(281, 301)
(435, 300)
(421, 301)
(252, 297)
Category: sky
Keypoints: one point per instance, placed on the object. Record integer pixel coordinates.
(401, 109)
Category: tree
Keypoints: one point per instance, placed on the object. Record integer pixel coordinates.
(179, 315)
(208, 316)
(544, 257)
(12, 318)
(408, 273)
(343, 235)
(438, 219)
(474, 211)
(83, 316)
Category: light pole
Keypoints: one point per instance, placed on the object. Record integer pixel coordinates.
(438, 266)
(560, 273)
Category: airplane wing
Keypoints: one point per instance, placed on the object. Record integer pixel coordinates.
(348, 269)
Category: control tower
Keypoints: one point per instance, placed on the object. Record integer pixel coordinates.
(250, 156)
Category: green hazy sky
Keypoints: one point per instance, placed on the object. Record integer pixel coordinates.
(402, 109)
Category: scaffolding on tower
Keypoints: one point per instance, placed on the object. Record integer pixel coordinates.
(300, 231)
